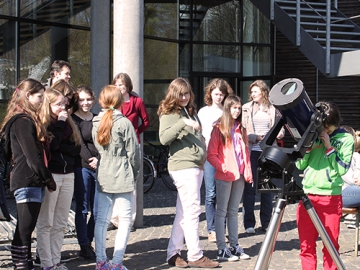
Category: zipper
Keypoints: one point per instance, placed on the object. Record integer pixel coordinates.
(64, 162)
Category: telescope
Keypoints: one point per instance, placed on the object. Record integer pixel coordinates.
(277, 172)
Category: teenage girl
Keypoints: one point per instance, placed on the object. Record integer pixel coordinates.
(228, 153)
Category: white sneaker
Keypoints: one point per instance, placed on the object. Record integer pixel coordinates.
(239, 252)
(250, 230)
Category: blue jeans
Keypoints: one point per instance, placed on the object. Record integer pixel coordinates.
(210, 196)
(351, 196)
(84, 192)
(249, 198)
(228, 201)
(106, 203)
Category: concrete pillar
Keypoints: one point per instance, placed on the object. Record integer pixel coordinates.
(100, 47)
(128, 55)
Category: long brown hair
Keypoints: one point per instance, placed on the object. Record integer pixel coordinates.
(19, 103)
(226, 121)
(50, 96)
(126, 80)
(110, 98)
(171, 103)
(223, 86)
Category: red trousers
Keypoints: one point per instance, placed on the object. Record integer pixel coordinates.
(328, 208)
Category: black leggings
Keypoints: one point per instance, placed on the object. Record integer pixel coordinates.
(27, 215)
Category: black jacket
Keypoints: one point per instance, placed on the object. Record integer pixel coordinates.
(62, 149)
(28, 157)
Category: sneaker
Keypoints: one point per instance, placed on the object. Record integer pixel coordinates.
(203, 262)
(118, 266)
(250, 230)
(37, 261)
(225, 255)
(212, 237)
(87, 252)
(239, 252)
(47, 268)
(177, 261)
(350, 217)
(59, 266)
(104, 265)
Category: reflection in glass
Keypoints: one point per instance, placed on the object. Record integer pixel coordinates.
(216, 58)
(256, 27)
(160, 59)
(160, 20)
(256, 61)
(218, 22)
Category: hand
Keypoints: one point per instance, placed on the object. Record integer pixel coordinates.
(93, 162)
(259, 138)
(357, 181)
(191, 123)
(326, 139)
(63, 115)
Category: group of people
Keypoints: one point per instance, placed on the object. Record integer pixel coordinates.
(222, 144)
(62, 148)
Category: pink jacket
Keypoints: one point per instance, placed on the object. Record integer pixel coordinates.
(223, 157)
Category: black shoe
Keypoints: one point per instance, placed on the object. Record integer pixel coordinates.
(65, 258)
(111, 226)
(37, 261)
(87, 252)
(132, 229)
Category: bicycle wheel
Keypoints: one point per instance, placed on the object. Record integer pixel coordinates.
(148, 174)
(168, 181)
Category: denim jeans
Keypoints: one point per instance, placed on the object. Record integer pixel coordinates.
(84, 193)
(351, 196)
(227, 206)
(210, 196)
(106, 203)
(266, 205)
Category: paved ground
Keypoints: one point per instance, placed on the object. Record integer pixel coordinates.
(147, 246)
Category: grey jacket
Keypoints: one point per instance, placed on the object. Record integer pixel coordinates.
(119, 162)
(248, 111)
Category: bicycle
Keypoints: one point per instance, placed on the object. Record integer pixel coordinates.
(154, 170)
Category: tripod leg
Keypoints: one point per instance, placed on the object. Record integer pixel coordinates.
(267, 247)
(323, 234)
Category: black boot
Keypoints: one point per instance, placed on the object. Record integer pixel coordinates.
(87, 252)
(20, 258)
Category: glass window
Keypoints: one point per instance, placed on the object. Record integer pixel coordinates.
(160, 20)
(73, 12)
(216, 58)
(256, 61)
(217, 23)
(8, 8)
(184, 52)
(35, 51)
(256, 28)
(160, 59)
(79, 56)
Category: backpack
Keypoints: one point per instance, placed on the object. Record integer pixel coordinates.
(5, 164)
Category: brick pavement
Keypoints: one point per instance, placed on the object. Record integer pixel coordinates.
(147, 246)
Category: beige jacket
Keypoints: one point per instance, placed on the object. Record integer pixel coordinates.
(248, 111)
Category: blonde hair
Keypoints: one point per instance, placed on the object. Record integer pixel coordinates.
(19, 103)
(110, 98)
(50, 96)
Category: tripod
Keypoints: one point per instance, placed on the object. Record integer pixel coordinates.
(268, 245)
